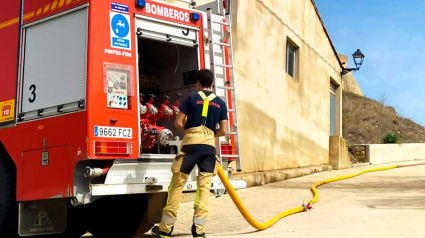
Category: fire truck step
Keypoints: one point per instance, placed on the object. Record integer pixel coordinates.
(121, 189)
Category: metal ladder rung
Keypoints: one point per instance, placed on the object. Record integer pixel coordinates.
(224, 87)
(229, 156)
(231, 110)
(232, 133)
(222, 44)
(224, 66)
(221, 23)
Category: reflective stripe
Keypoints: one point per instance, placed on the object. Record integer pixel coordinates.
(207, 104)
(196, 204)
(169, 188)
(205, 108)
(168, 219)
(199, 221)
(211, 97)
(207, 101)
(202, 94)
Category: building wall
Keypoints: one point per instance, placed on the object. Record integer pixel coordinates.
(283, 122)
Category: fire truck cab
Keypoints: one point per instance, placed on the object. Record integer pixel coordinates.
(89, 92)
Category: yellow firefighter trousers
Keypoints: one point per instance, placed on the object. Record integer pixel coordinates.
(197, 147)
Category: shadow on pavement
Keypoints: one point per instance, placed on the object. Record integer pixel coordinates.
(415, 203)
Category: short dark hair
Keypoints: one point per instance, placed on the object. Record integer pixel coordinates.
(205, 77)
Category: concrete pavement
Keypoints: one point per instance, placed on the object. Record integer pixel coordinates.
(379, 204)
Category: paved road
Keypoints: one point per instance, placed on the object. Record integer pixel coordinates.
(380, 204)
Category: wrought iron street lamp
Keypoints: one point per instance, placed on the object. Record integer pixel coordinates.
(358, 58)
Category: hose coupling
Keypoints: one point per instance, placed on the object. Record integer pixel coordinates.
(307, 207)
(95, 172)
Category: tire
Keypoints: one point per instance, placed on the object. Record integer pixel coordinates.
(76, 225)
(144, 225)
(8, 204)
(117, 216)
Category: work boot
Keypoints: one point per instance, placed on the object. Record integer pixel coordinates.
(160, 234)
(196, 235)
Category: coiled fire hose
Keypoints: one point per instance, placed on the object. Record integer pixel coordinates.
(262, 226)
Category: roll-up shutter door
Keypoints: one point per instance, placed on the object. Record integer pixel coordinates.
(161, 30)
(55, 60)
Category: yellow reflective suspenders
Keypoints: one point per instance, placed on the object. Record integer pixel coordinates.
(207, 101)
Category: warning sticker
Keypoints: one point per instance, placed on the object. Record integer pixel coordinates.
(7, 111)
(120, 26)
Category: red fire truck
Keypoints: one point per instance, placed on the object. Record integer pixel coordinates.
(89, 90)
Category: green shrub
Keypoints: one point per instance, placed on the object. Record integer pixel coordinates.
(391, 138)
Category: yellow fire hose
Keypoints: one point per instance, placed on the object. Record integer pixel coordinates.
(271, 222)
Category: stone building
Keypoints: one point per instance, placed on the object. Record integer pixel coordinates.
(288, 77)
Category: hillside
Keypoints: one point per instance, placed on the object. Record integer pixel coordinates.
(366, 121)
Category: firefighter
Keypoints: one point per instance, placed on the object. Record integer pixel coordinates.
(203, 112)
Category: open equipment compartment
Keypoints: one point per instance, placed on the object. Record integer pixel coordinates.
(165, 80)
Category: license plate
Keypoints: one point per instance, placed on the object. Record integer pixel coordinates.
(113, 132)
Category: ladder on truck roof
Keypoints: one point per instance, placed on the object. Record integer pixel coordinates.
(223, 70)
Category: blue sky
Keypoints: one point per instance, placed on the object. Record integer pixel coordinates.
(391, 34)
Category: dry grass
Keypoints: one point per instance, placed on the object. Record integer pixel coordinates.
(366, 121)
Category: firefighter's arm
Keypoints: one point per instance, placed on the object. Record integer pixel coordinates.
(180, 121)
(224, 129)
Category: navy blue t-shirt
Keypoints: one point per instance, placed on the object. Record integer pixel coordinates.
(192, 107)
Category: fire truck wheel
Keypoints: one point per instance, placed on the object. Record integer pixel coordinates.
(144, 225)
(76, 222)
(117, 216)
(8, 204)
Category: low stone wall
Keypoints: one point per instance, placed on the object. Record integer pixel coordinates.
(359, 152)
(388, 153)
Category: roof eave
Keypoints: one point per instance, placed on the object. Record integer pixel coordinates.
(327, 34)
